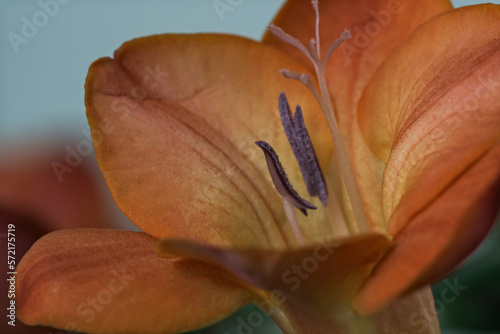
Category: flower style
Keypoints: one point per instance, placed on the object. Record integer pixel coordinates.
(174, 118)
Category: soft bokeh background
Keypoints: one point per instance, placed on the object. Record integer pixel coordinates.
(41, 101)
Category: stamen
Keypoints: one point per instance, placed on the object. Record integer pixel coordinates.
(287, 121)
(315, 181)
(294, 223)
(281, 181)
(300, 141)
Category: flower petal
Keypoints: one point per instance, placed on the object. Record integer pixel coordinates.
(270, 269)
(110, 281)
(414, 313)
(437, 239)
(377, 27)
(444, 120)
(174, 119)
(310, 289)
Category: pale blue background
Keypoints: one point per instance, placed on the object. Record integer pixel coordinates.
(41, 86)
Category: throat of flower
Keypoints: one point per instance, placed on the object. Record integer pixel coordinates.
(300, 142)
(325, 102)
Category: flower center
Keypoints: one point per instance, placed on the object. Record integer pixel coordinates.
(299, 138)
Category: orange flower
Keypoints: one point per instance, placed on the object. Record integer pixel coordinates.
(174, 119)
